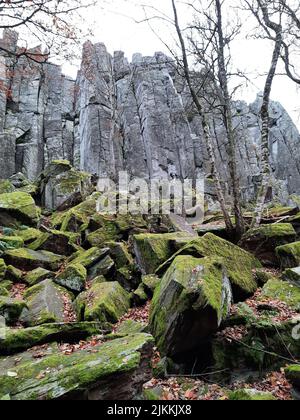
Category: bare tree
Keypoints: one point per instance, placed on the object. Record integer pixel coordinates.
(53, 24)
(204, 121)
(269, 17)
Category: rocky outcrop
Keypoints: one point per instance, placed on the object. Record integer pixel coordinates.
(128, 116)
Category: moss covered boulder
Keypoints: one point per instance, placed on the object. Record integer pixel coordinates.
(115, 370)
(11, 309)
(109, 232)
(150, 283)
(90, 257)
(47, 303)
(120, 254)
(14, 274)
(21, 206)
(73, 278)
(292, 275)
(2, 269)
(11, 242)
(292, 373)
(240, 264)
(37, 276)
(250, 395)
(152, 250)
(28, 234)
(62, 243)
(17, 340)
(27, 259)
(190, 303)
(284, 291)
(263, 240)
(6, 186)
(289, 255)
(129, 327)
(104, 302)
(104, 267)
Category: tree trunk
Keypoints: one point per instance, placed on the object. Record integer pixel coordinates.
(265, 119)
(204, 122)
(227, 118)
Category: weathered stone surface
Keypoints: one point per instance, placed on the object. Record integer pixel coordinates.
(128, 116)
(250, 395)
(116, 369)
(262, 241)
(104, 302)
(2, 269)
(11, 309)
(292, 275)
(284, 291)
(190, 303)
(73, 278)
(62, 243)
(289, 255)
(37, 276)
(17, 340)
(21, 206)
(152, 250)
(26, 259)
(46, 304)
(239, 263)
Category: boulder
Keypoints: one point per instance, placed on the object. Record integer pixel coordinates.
(292, 275)
(90, 257)
(5, 288)
(240, 264)
(150, 283)
(250, 395)
(129, 327)
(62, 243)
(11, 309)
(28, 235)
(37, 276)
(104, 302)
(284, 291)
(10, 242)
(73, 278)
(263, 241)
(104, 267)
(289, 255)
(17, 340)
(152, 250)
(27, 259)
(14, 274)
(63, 186)
(6, 186)
(140, 296)
(120, 254)
(46, 304)
(190, 303)
(115, 370)
(292, 373)
(3, 268)
(20, 206)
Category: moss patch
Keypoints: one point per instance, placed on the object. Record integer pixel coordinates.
(20, 205)
(27, 259)
(280, 290)
(289, 255)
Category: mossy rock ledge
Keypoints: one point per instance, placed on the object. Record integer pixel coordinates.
(263, 241)
(116, 370)
(46, 304)
(20, 206)
(289, 255)
(72, 278)
(190, 303)
(104, 302)
(27, 259)
(240, 264)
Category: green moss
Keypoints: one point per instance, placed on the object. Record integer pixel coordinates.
(104, 302)
(3, 268)
(65, 375)
(194, 295)
(56, 241)
(120, 254)
(11, 309)
(150, 282)
(289, 255)
(238, 263)
(71, 180)
(21, 339)
(292, 275)
(129, 326)
(29, 234)
(90, 257)
(12, 242)
(6, 186)
(152, 250)
(14, 274)
(292, 373)
(140, 295)
(24, 258)
(37, 276)
(73, 278)
(280, 290)
(250, 395)
(21, 205)
(278, 230)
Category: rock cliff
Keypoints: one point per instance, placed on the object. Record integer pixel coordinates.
(127, 116)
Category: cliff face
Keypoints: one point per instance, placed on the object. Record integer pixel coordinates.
(127, 116)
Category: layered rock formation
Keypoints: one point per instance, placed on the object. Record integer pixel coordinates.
(127, 116)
